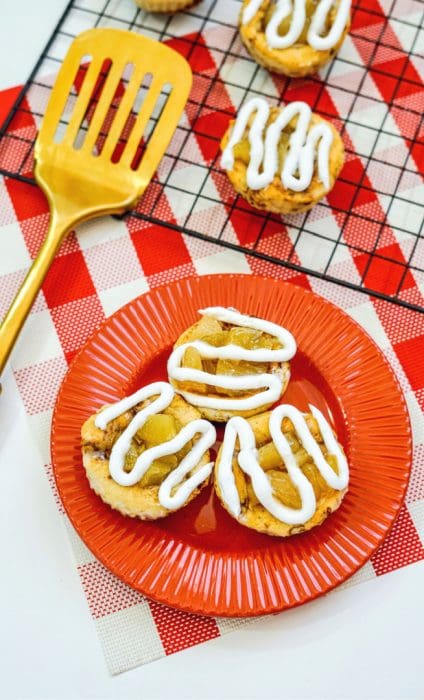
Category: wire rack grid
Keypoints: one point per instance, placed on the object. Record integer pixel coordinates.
(367, 234)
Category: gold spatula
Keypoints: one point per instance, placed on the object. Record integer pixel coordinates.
(79, 181)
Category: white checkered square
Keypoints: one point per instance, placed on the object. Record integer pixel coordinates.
(13, 251)
(406, 215)
(38, 341)
(226, 261)
(367, 317)
(113, 263)
(99, 231)
(112, 299)
(129, 638)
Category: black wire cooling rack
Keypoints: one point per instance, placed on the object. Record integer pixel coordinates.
(367, 234)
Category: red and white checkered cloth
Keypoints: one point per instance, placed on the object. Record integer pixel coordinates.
(108, 262)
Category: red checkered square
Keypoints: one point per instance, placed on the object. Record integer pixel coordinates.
(23, 125)
(105, 593)
(171, 275)
(269, 269)
(76, 321)
(209, 129)
(399, 323)
(34, 230)
(154, 200)
(8, 98)
(69, 245)
(28, 201)
(360, 233)
(403, 546)
(409, 124)
(218, 95)
(179, 630)
(195, 51)
(384, 55)
(250, 227)
(199, 91)
(14, 153)
(159, 248)
(278, 244)
(384, 274)
(304, 90)
(410, 354)
(367, 16)
(387, 84)
(414, 295)
(38, 384)
(412, 102)
(353, 175)
(67, 280)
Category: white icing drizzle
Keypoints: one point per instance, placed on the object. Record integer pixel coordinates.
(305, 142)
(248, 461)
(297, 10)
(270, 382)
(284, 9)
(250, 10)
(315, 38)
(165, 394)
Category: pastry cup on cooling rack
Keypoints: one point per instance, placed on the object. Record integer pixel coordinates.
(276, 197)
(141, 499)
(252, 513)
(297, 60)
(165, 6)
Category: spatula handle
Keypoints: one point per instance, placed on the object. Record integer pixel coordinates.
(21, 305)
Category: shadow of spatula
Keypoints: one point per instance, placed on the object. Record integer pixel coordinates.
(80, 181)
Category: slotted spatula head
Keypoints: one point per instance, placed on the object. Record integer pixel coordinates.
(80, 181)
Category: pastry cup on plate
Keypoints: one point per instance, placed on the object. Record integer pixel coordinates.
(260, 382)
(141, 499)
(248, 510)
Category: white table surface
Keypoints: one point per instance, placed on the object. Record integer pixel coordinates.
(364, 642)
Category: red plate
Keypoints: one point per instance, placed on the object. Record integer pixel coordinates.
(200, 559)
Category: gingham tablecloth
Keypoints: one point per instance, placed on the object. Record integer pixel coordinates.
(108, 262)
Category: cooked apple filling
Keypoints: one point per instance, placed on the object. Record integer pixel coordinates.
(157, 429)
(271, 462)
(218, 334)
(284, 27)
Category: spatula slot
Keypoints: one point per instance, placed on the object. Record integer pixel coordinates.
(76, 85)
(151, 125)
(93, 101)
(140, 97)
(111, 112)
